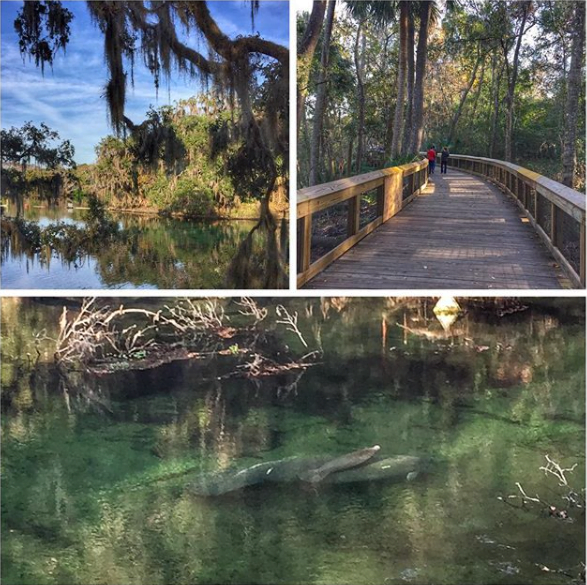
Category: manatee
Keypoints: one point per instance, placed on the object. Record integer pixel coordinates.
(282, 470)
(400, 467)
(358, 466)
(339, 464)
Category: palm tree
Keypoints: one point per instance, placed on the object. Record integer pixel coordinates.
(401, 79)
(425, 10)
(306, 53)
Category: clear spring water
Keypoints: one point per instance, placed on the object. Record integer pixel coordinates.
(94, 487)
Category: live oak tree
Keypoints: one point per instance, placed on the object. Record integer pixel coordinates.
(36, 144)
(250, 70)
(32, 144)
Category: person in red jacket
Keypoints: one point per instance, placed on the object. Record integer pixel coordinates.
(432, 158)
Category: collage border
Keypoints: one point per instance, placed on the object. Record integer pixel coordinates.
(292, 291)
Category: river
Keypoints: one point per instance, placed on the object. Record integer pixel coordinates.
(163, 253)
(95, 484)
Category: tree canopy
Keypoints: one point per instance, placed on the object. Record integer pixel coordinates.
(21, 146)
(491, 78)
(250, 72)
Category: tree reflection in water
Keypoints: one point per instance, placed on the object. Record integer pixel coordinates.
(148, 252)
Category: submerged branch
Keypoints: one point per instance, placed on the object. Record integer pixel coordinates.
(99, 339)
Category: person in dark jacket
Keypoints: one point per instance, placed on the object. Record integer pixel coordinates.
(443, 160)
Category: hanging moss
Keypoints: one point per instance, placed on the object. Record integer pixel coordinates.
(250, 72)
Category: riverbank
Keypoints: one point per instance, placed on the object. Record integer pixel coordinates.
(248, 211)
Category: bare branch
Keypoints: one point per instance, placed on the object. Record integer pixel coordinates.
(290, 321)
(250, 308)
(555, 469)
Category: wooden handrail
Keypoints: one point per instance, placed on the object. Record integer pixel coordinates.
(393, 193)
(548, 205)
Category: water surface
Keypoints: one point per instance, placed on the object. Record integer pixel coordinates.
(160, 253)
(95, 484)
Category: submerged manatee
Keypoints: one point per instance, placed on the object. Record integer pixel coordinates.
(357, 466)
(400, 467)
(339, 464)
(282, 470)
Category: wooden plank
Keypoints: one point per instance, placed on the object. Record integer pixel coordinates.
(460, 233)
(567, 199)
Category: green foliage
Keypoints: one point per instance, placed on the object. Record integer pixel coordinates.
(468, 45)
(31, 143)
(178, 160)
(400, 160)
(78, 196)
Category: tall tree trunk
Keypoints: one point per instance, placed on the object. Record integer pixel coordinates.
(304, 173)
(360, 68)
(495, 85)
(411, 45)
(512, 80)
(401, 81)
(306, 53)
(479, 89)
(573, 90)
(349, 162)
(418, 111)
(321, 92)
(464, 94)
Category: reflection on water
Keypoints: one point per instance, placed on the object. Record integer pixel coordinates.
(159, 253)
(95, 484)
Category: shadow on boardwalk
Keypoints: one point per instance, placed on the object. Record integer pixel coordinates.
(461, 232)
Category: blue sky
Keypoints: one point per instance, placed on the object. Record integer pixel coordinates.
(68, 99)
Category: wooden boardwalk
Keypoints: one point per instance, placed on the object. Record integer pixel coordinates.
(461, 233)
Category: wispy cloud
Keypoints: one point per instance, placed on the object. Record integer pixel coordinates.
(69, 98)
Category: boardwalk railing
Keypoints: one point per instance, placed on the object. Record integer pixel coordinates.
(556, 212)
(334, 216)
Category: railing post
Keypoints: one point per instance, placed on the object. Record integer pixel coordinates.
(354, 215)
(392, 198)
(553, 228)
(304, 242)
(380, 199)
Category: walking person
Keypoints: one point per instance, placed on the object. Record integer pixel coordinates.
(444, 160)
(432, 158)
